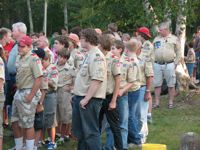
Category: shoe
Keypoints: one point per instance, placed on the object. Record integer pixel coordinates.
(40, 144)
(13, 148)
(149, 120)
(155, 106)
(51, 146)
(171, 106)
(60, 141)
(5, 125)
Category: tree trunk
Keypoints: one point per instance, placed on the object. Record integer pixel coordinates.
(30, 16)
(45, 16)
(65, 15)
(181, 34)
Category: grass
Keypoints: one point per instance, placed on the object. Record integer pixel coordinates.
(168, 125)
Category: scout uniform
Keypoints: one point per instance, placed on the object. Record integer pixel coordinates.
(146, 70)
(50, 101)
(93, 68)
(76, 58)
(2, 98)
(167, 54)
(85, 122)
(66, 74)
(29, 68)
(147, 50)
(133, 102)
(113, 69)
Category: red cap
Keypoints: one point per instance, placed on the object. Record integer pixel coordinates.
(25, 41)
(145, 31)
(74, 38)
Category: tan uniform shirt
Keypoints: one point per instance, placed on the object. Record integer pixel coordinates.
(113, 69)
(52, 77)
(127, 72)
(191, 58)
(136, 72)
(146, 69)
(147, 50)
(93, 68)
(76, 58)
(167, 49)
(44, 84)
(2, 73)
(66, 74)
(29, 68)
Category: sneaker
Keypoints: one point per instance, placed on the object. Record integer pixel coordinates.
(40, 144)
(149, 119)
(13, 148)
(51, 146)
(67, 138)
(60, 141)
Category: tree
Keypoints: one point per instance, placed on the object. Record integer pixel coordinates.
(45, 16)
(30, 16)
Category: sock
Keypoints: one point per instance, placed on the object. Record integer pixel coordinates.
(18, 143)
(30, 144)
(149, 115)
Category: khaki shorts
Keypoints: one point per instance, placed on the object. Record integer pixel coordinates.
(167, 72)
(22, 111)
(64, 108)
(1, 118)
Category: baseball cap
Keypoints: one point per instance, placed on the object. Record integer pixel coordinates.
(40, 53)
(145, 31)
(74, 38)
(25, 41)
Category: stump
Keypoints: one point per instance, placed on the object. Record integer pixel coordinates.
(190, 141)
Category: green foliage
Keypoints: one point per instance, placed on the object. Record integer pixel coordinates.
(128, 14)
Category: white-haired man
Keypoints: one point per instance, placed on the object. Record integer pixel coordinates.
(43, 43)
(167, 57)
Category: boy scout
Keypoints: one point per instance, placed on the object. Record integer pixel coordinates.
(147, 52)
(50, 101)
(28, 79)
(134, 94)
(38, 123)
(66, 74)
(146, 78)
(113, 83)
(2, 98)
(77, 54)
(90, 90)
(127, 80)
(167, 57)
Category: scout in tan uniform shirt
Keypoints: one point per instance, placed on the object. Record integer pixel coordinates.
(89, 90)
(38, 123)
(66, 74)
(50, 101)
(28, 79)
(147, 52)
(2, 98)
(134, 93)
(112, 90)
(127, 79)
(146, 78)
(167, 57)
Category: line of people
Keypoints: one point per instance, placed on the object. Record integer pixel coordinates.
(89, 83)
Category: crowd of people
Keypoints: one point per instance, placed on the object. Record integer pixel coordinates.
(79, 84)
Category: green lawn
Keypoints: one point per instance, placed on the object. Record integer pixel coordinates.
(167, 127)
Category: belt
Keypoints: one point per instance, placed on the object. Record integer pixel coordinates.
(163, 63)
(12, 74)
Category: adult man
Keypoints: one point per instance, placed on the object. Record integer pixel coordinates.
(89, 90)
(167, 56)
(43, 43)
(28, 79)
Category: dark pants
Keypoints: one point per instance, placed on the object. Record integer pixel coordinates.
(85, 123)
(113, 120)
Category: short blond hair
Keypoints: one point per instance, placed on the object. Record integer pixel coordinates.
(133, 44)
